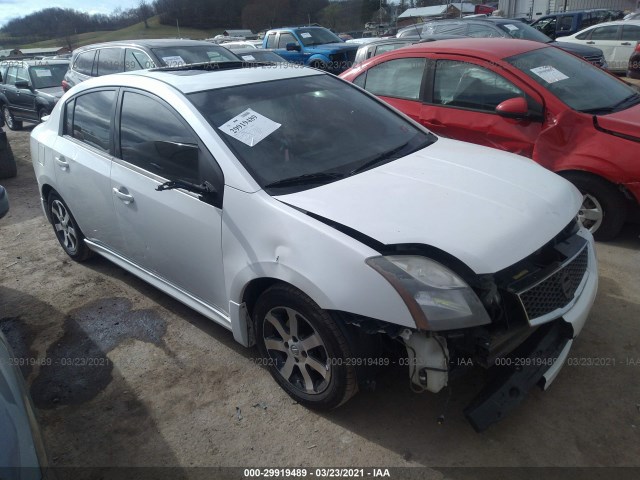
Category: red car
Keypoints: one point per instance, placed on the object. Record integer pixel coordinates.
(527, 98)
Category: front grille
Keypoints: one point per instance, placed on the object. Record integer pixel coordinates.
(557, 290)
(597, 60)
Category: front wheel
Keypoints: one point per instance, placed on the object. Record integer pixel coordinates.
(604, 207)
(66, 229)
(305, 349)
(11, 122)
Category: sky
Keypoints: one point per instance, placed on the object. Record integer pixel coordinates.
(19, 8)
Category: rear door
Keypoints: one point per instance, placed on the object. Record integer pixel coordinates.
(82, 155)
(172, 233)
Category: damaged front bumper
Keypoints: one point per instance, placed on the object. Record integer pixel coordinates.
(533, 356)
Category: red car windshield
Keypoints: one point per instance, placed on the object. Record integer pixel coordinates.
(578, 84)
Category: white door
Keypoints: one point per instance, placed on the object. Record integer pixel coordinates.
(171, 233)
(82, 160)
(629, 38)
(606, 39)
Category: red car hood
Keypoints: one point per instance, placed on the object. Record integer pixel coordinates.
(625, 123)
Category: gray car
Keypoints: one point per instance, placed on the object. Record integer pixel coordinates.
(30, 89)
(129, 55)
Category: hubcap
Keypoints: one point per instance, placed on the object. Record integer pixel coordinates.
(65, 229)
(297, 350)
(591, 213)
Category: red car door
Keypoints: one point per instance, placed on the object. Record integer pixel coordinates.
(460, 99)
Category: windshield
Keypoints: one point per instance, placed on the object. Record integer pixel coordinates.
(317, 36)
(523, 31)
(575, 82)
(176, 56)
(313, 129)
(46, 76)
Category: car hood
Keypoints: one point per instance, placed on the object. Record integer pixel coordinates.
(486, 207)
(335, 47)
(578, 49)
(625, 123)
(54, 92)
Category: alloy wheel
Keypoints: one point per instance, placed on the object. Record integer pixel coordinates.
(64, 227)
(591, 213)
(297, 350)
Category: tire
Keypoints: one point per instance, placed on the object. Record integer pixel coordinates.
(41, 113)
(67, 232)
(604, 207)
(304, 348)
(11, 122)
(8, 167)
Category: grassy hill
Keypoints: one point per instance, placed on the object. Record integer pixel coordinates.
(136, 31)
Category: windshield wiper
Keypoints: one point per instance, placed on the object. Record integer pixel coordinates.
(307, 178)
(618, 106)
(390, 155)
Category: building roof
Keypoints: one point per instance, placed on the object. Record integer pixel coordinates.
(436, 10)
(36, 51)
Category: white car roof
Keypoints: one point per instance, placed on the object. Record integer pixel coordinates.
(195, 80)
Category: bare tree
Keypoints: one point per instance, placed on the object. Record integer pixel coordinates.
(144, 11)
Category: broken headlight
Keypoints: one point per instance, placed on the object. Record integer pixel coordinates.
(437, 298)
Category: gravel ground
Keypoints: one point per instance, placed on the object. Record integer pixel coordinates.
(167, 387)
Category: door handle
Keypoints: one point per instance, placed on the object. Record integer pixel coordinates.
(626, 43)
(62, 162)
(123, 195)
(590, 43)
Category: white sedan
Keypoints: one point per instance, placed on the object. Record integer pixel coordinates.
(617, 40)
(315, 221)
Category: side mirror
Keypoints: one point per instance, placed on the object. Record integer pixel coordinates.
(21, 84)
(292, 46)
(516, 108)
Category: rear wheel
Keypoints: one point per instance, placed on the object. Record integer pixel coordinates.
(11, 122)
(66, 229)
(304, 348)
(604, 207)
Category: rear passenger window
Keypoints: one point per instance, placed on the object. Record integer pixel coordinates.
(401, 78)
(566, 23)
(271, 40)
(88, 118)
(153, 138)
(84, 62)
(110, 61)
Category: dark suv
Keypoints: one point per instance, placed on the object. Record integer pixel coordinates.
(312, 46)
(567, 23)
(30, 89)
(499, 27)
(115, 57)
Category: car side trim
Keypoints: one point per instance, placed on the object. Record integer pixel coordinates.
(209, 311)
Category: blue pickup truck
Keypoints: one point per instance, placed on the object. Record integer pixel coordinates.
(312, 46)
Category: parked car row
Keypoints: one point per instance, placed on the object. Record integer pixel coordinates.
(529, 99)
(561, 24)
(322, 252)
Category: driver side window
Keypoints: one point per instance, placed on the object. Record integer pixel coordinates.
(155, 139)
(286, 38)
(465, 85)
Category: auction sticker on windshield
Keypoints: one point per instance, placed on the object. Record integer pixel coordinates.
(510, 27)
(43, 73)
(250, 127)
(173, 61)
(305, 35)
(549, 74)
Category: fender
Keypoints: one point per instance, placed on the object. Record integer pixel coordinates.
(317, 58)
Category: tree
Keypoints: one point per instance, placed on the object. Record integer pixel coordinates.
(144, 11)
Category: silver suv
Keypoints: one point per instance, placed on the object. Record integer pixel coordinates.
(125, 56)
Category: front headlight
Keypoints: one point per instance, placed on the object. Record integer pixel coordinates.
(437, 298)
